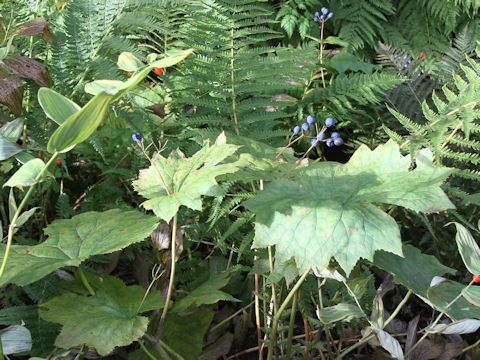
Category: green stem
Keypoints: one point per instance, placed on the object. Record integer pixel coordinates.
(291, 325)
(224, 321)
(327, 330)
(11, 228)
(398, 308)
(276, 319)
(354, 346)
(371, 336)
(270, 264)
(171, 351)
(471, 347)
(145, 350)
(1, 349)
(437, 320)
(85, 282)
(172, 271)
(232, 78)
(321, 53)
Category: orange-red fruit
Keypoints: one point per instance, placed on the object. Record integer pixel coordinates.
(158, 71)
(58, 162)
(476, 278)
(422, 56)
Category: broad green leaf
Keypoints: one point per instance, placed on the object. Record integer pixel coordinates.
(472, 294)
(56, 106)
(329, 209)
(118, 88)
(8, 149)
(129, 62)
(104, 321)
(74, 240)
(175, 181)
(441, 295)
(24, 216)
(27, 174)
(15, 339)
(12, 205)
(468, 248)
(184, 334)
(24, 157)
(414, 270)
(345, 61)
(79, 126)
(340, 312)
(335, 40)
(208, 293)
(110, 87)
(12, 130)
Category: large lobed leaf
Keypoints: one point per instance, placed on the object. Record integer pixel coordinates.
(74, 240)
(104, 321)
(329, 210)
(175, 181)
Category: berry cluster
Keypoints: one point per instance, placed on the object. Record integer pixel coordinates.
(403, 62)
(334, 140)
(322, 15)
(137, 137)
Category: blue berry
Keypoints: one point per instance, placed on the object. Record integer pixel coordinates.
(329, 16)
(314, 142)
(324, 10)
(330, 142)
(335, 135)
(310, 119)
(316, 18)
(330, 122)
(322, 17)
(338, 141)
(296, 130)
(321, 136)
(137, 137)
(305, 127)
(317, 14)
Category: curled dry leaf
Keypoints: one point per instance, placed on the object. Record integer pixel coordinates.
(11, 93)
(161, 239)
(157, 109)
(35, 27)
(28, 68)
(436, 350)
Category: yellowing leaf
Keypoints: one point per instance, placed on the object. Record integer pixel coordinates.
(175, 181)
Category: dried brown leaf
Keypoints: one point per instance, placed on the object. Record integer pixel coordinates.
(11, 93)
(28, 68)
(34, 27)
(437, 350)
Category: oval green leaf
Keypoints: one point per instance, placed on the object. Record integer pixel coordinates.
(56, 106)
(79, 126)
